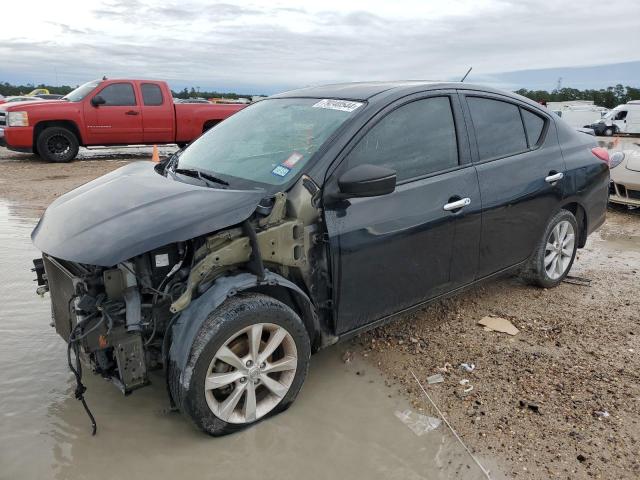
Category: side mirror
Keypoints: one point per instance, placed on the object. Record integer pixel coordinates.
(367, 181)
(98, 100)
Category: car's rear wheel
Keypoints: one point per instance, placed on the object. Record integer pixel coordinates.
(57, 144)
(248, 362)
(555, 253)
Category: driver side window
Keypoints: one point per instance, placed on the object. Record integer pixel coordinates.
(416, 139)
(118, 94)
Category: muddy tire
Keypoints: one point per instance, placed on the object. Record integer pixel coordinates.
(57, 144)
(555, 253)
(234, 381)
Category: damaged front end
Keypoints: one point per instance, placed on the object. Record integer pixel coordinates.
(120, 319)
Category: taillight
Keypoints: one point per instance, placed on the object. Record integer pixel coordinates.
(601, 153)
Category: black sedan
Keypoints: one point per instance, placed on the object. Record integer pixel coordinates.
(302, 220)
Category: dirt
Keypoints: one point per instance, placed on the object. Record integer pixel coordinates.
(539, 397)
(561, 399)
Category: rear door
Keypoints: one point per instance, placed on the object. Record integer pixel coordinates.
(394, 251)
(118, 120)
(157, 114)
(520, 171)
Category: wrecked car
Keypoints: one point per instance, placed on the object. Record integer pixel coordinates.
(303, 220)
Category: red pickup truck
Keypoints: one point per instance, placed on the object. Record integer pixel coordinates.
(106, 112)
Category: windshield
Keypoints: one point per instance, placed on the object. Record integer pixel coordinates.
(268, 142)
(82, 91)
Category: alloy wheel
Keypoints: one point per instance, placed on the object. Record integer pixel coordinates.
(559, 249)
(58, 145)
(251, 373)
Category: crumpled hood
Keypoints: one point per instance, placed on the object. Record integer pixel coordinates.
(133, 210)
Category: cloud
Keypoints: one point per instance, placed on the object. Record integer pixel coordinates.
(271, 46)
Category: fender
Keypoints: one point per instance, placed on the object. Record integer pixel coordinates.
(187, 325)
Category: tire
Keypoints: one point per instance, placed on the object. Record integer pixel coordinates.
(220, 333)
(540, 270)
(57, 144)
(609, 131)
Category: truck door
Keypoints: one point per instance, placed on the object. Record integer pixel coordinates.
(394, 251)
(157, 114)
(113, 116)
(633, 120)
(620, 121)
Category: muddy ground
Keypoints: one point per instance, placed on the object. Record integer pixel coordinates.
(574, 365)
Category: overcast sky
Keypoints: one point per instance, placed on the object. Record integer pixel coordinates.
(274, 45)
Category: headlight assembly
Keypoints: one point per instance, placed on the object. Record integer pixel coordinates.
(17, 119)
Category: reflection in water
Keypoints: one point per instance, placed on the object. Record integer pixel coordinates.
(342, 425)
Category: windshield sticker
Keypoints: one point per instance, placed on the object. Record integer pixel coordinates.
(343, 105)
(294, 158)
(281, 171)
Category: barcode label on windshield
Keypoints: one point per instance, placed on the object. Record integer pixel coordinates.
(343, 105)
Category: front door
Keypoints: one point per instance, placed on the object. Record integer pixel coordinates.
(620, 121)
(520, 170)
(394, 251)
(118, 120)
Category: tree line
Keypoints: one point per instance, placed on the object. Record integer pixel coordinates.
(605, 97)
(8, 89)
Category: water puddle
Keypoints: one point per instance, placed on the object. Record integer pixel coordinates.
(343, 425)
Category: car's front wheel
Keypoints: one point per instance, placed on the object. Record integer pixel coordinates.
(57, 144)
(248, 362)
(554, 255)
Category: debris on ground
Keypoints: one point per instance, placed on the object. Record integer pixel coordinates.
(498, 324)
(601, 414)
(534, 407)
(347, 356)
(468, 367)
(445, 368)
(467, 386)
(584, 282)
(418, 423)
(437, 378)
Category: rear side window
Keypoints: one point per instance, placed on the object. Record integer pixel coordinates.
(118, 94)
(533, 124)
(416, 139)
(498, 126)
(151, 94)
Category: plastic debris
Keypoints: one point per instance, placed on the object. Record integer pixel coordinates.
(418, 423)
(467, 386)
(499, 324)
(437, 378)
(445, 368)
(601, 414)
(468, 367)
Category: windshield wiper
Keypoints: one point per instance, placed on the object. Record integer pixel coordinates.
(205, 177)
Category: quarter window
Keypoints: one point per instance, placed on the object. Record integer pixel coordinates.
(498, 127)
(416, 139)
(118, 94)
(533, 124)
(151, 94)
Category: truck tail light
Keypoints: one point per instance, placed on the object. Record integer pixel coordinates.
(601, 153)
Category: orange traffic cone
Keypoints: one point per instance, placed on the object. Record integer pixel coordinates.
(155, 158)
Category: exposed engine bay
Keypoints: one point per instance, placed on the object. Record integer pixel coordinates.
(117, 319)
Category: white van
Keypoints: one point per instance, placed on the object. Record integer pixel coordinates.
(622, 119)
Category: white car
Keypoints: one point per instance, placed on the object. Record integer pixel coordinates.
(625, 178)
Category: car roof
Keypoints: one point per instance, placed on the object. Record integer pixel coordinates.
(362, 91)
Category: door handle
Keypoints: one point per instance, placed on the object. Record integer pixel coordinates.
(554, 177)
(458, 204)
(131, 112)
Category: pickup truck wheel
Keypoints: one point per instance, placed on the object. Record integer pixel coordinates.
(555, 253)
(57, 144)
(248, 362)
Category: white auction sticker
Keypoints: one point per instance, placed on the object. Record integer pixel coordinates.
(343, 105)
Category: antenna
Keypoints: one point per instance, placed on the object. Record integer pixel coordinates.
(465, 75)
